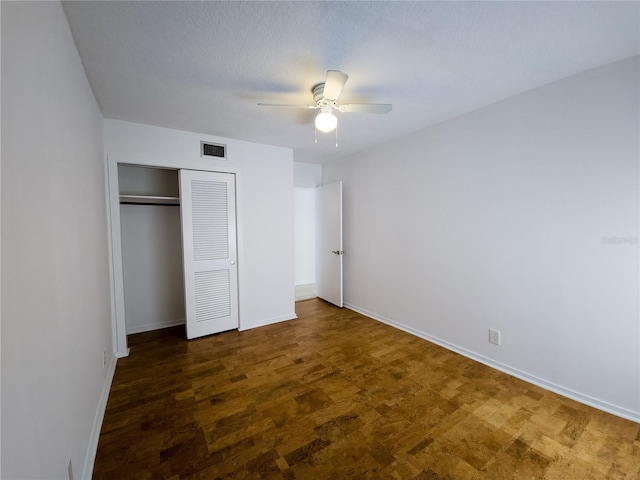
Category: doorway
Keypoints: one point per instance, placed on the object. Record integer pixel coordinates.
(318, 243)
(304, 231)
(151, 248)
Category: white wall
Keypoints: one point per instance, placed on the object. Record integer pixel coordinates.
(304, 221)
(55, 272)
(500, 219)
(307, 175)
(152, 264)
(264, 182)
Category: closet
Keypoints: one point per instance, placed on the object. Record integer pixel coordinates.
(177, 256)
(151, 248)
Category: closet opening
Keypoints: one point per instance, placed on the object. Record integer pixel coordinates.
(173, 248)
(152, 261)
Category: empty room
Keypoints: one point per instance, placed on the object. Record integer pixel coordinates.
(320, 240)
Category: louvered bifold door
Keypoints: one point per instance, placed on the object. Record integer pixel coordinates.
(207, 208)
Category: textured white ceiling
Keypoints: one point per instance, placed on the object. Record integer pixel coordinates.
(203, 67)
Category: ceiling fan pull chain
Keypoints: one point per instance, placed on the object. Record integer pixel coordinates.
(315, 132)
(336, 136)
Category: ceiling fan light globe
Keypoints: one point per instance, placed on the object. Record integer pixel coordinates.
(326, 122)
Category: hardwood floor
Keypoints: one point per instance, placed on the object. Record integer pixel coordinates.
(335, 395)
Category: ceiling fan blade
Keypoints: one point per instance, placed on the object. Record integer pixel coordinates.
(365, 108)
(286, 105)
(334, 83)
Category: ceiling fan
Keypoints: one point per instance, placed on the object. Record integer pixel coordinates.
(325, 96)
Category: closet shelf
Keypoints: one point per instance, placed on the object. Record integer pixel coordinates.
(149, 200)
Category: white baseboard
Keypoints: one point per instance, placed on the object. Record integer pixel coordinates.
(92, 449)
(123, 355)
(560, 390)
(155, 326)
(181, 321)
(267, 321)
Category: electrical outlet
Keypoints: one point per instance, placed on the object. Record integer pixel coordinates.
(494, 336)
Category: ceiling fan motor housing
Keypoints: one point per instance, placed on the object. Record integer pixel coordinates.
(318, 95)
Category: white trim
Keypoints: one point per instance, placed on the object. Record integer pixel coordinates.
(119, 327)
(92, 449)
(565, 392)
(267, 321)
(112, 290)
(203, 164)
(126, 354)
(155, 326)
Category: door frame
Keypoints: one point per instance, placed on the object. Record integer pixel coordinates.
(118, 318)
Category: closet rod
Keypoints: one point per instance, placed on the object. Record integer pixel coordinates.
(152, 204)
(148, 200)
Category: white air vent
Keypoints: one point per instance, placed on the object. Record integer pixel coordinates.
(213, 150)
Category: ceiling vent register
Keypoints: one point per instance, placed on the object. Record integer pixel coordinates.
(213, 150)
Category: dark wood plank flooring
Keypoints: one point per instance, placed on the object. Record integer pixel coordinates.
(335, 395)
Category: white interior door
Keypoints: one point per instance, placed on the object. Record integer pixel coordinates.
(329, 243)
(207, 208)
